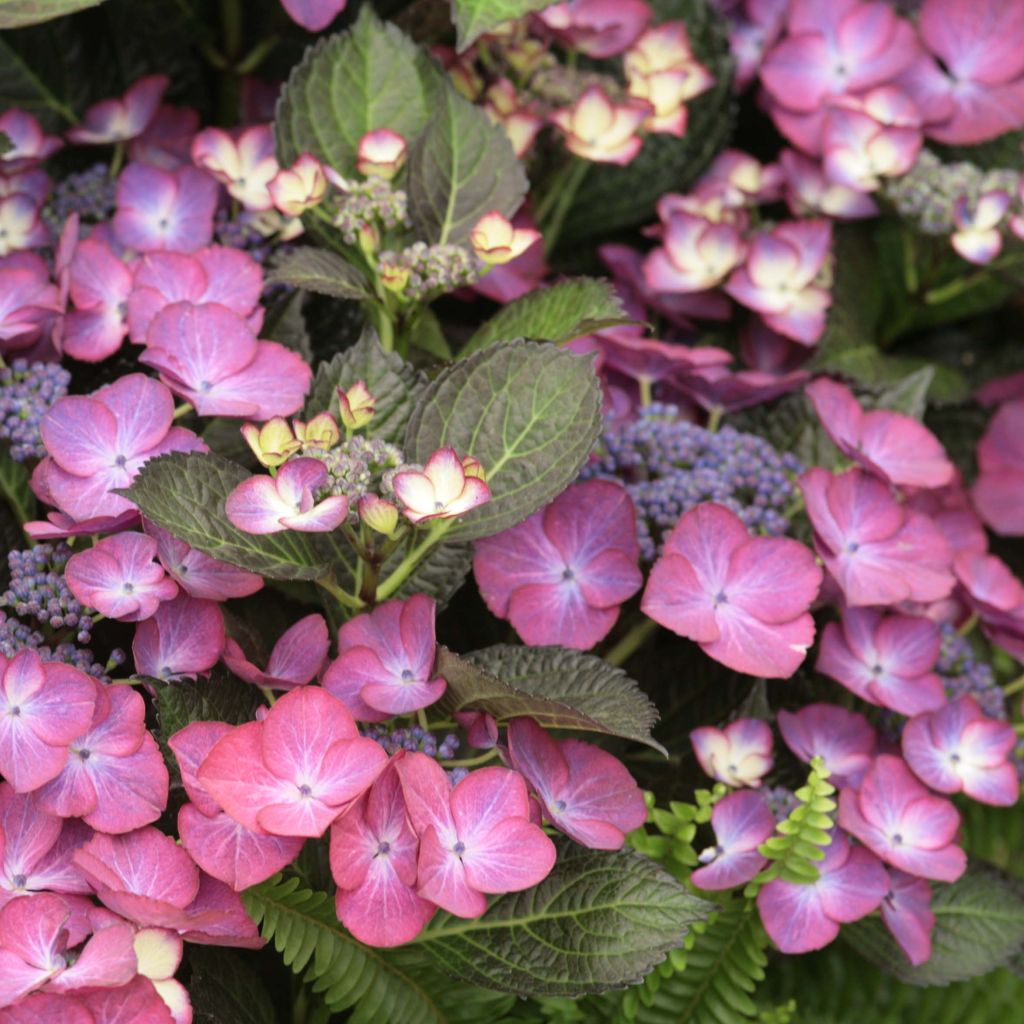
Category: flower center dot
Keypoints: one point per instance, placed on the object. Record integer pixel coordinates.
(84, 754)
(407, 675)
(121, 460)
(305, 790)
(18, 881)
(459, 848)
(383, 847)
(560, 805)
(129, 588)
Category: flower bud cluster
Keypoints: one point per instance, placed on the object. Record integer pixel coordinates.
(426, 269)
(367, 203)
(27, 390)
(89, 193)
(361, 465)
(15, 636)
(669, 466)
(414, 739)
(39, 591)
(963, 675)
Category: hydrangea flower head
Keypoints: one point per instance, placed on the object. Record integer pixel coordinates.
(695, 254)
(441, 490)
(958, 748)
(744, 599)
(183, 638)
(197, 574)
(43, 708)
(894, 816)
(801, 917)
(120, 578)
(100, 285)
(738, 755)
(121, 118)
(164, 209)
(246, 164)
(891, 445)
(385, 663)
(562, 574)
(844, 740)
(373, 861)
(877, 550)
(475, 838)
(584, 791)
(808, 191)
(595, 128)
(297, 657)
(887, 660)
(265, 504)
(742, 822)
(292, 773)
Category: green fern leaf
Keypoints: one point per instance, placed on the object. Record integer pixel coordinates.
(305, 931)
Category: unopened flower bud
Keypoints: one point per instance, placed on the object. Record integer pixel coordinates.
(320, 432)
(393, 276)
(357, 405)
(495, 240)
(379, 514)
(272, 443)
(381, 154)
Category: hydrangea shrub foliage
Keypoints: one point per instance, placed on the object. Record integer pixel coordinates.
(511, 511)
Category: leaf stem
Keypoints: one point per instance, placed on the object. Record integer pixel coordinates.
(472, 762)
(968, 627)
(559, 200)
(1015, 686)
(631, 642)
(405, 568)
(182, 410)
(343, 597)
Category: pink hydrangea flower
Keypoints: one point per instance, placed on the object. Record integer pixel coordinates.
(970, 84)
(495, 239)
(597, 28)
(385, 663)
(297, 657)
(695, 254)
(119, 577)
(29, 301)
(877, 550)
(744, 599)
(211, 357)
(891, 445)
(744, 180)
(381, 154)
(721, 387)
(164, 209)
(30, 144)
(269, 504)
(809, 192)
(292, 773)
(871, 137)
(801, 917)
(373, 861)
(597, 129)
(475, 838)
(183, 638)
(996, 493)
(199, 575)
(227, 277)
(977, 237)
(899, 820)
(738, 755)
(97, 444)
(168, 139)
(36, 848)
(222, 847)
(649, 361)
(246, 164)
(992, 591)
(886, 660)
(742, 822)
(159, 952)
(441, 490)
(44, 707)
(33, 944)
(583, 791)
(114, 777)
(298, 188)
(313, 15)
(958, 748)
(778, 278)
(21, 226)
(907, 913)
(844, 740)
(121, 118)
(561, 575)
(100, 284)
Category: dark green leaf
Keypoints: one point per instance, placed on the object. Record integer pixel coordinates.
(14, 488)
(318, 270)
(604, 694)
(19, 13)
(599, 921)
(349, 84)
(460, 168)
(979, 925)
(5, 144)
(21, 86)
(559, 688)
(439, 575)
(285, 323)
(558, 313)
(909, 395)
(185, 494)
(475, 17)
(221, 698)
(530, 413)
(393, 382)
(224, 989)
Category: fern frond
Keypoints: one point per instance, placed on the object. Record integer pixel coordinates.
(800, 839)
(305, 931)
